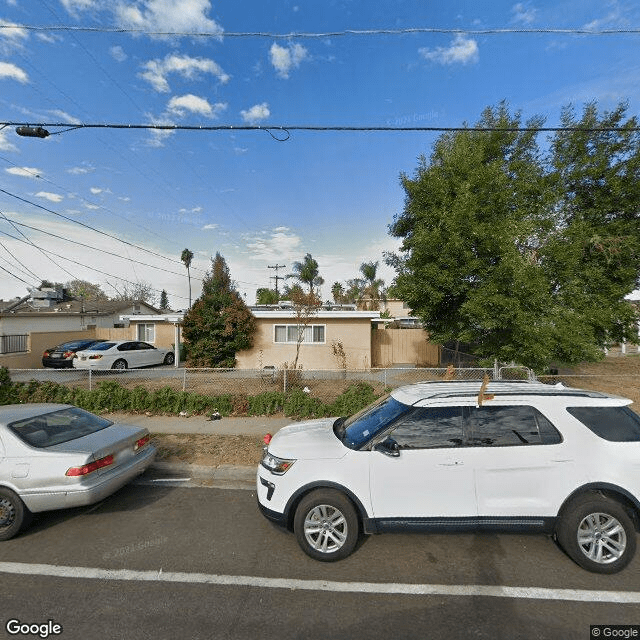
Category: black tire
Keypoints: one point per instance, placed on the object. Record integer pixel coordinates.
(169, 358)
(120, 365)
(597, 533)
(326, 525)
(13, 514)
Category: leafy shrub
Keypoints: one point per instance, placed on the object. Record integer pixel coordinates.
(266, 404)
(355, 397)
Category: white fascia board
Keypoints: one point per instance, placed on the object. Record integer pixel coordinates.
(344, 315)
(140, 317)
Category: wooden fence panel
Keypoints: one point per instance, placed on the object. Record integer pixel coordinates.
(403, 346)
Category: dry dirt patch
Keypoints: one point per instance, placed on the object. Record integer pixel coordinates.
(209, 450)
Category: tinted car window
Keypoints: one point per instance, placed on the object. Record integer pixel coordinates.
(616, 424)
(58, 426)
(361, 427)
(102, 346)
(491, 426)
(429, 428)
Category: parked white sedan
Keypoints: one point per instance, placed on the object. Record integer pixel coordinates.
(122, 354)
(56, 456)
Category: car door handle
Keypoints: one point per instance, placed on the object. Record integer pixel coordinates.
(451, 464)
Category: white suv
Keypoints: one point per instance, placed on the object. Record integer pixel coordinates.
(463, 456)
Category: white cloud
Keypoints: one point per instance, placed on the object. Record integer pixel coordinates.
(256, 113)
(24, 172)
(156, 71)
(118, 54)
(523, 13)
(95, 190)
(13, 35)
(9, 70)
(281, 244)
(5, 145)
(79, 171)
(462, 50)
(74, 6)
(186, 16)
(63, 115)
(52, 197)
(210, 227)
(286, 58)
(179, 105)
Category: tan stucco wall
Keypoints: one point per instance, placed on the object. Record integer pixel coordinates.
(165, 334)
(354, 334)
(37, 342)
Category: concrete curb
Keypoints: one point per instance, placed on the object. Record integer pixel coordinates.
(224, 476)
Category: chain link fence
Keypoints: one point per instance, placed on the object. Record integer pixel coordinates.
(327, 384)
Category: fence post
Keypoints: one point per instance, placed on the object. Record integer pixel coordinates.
(89, 378)
(184, 378)
(496, 371)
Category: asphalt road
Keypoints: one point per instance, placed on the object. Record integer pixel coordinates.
(162, 561)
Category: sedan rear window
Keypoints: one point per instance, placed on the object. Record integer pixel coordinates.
(102, 346)
(56, 427)
(616, 424)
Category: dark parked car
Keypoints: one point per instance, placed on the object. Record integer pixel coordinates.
(63, 355)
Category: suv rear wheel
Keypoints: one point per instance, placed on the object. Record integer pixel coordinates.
(326, 525)
(597, 533)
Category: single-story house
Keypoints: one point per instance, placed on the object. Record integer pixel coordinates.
(43, 319)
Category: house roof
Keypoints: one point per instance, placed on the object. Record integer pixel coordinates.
(74, 307)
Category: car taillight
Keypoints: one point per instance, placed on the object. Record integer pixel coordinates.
(267, 438)
(142, 442)
(45, 354)
(91, 467)
(67, 354)
(95, 357)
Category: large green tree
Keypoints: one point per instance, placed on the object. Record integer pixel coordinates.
(524, 255)
(219, 324)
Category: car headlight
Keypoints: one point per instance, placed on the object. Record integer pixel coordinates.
(277, 466)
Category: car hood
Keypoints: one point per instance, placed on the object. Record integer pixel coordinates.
(307, 440)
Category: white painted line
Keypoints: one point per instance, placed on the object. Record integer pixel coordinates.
(472, 590)
(152, 480)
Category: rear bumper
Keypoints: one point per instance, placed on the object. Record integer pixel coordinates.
(99, 487)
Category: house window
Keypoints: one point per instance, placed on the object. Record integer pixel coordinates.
(289, 333)
(147, 332)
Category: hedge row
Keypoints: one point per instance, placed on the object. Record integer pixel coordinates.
(110, 396)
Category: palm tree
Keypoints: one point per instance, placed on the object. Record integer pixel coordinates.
(187, 256)
(307, 272)
(373, 286)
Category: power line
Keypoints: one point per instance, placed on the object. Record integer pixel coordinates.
(86, 226)
(86, 266)
(87, 246)
(286, 129)
(581, 31)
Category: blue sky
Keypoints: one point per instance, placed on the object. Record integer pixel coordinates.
(255, 200)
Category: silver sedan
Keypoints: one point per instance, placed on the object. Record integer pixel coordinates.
(55, 456)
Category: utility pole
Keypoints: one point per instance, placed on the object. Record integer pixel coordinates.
(277, 277)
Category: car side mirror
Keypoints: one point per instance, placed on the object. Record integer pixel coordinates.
(389, 447)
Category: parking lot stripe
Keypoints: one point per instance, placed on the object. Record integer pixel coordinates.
(472, 590)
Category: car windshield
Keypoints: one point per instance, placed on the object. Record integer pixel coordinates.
(56, 427)
(363, 426)
(102, 346)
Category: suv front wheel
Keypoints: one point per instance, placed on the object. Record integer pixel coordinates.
(597, 533)
(326, 525)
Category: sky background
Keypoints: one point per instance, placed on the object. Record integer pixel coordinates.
(256, 200)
